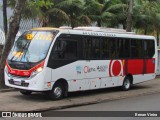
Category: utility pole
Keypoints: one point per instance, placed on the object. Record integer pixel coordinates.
(129, 15)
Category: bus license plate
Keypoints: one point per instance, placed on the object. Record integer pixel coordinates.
(17, 82)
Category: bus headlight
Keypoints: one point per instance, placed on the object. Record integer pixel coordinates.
(35, 72)
(39, 69)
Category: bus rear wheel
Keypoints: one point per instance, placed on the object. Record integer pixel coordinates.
(57, 92)
(126, 84)
(25, 92)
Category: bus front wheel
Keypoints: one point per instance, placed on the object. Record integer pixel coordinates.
(126, 84)
(57, 92)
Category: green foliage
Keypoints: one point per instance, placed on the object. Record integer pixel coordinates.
(104, 11)
(41, 3)
(110, 13)
(146, 16)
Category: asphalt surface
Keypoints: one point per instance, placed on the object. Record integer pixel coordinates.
(135, 103)
(139, 103)
(14, 101)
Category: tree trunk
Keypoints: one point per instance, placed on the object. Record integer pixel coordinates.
(145, 31)
(124, 25)
(157, 38)
(10, 37)
(72, 20)
(129, 16)
(72, 25)
(5, 16)
(44, 23)
(99, 23)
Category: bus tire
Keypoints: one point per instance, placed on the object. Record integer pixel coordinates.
(126, 84)
(25, 92)
(57, 92)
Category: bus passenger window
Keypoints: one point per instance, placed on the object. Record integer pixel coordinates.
(87, 48)
(65, 49)
(113, 49)
(91, 48)
(149, 48)
(109, 48)
(137, 48)
(120, 48)
(96, 48)
(123, 48)
(105, 48)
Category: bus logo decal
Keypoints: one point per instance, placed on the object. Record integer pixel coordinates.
(116, 68)
(79, 69)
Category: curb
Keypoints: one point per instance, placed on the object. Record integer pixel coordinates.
(7, 90)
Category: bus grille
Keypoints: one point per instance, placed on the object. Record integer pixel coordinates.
(23, 84)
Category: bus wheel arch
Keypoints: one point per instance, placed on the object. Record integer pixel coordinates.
(131, 78)
(59, 90)
(127, 82)
(64, 84)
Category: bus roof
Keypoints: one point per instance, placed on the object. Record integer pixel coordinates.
(109, 34)
(46, 28)
(96, 33)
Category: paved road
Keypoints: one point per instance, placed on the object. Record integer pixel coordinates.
(136, 103)
(141, 103)
(14, 101)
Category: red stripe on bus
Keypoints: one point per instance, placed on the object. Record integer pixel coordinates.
(25, 73)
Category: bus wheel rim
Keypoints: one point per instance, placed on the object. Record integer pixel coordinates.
(57, 92)
(127, 84)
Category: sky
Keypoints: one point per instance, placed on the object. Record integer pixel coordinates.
(9, 13)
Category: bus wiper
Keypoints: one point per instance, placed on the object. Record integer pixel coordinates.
(24, 48)
(19, 54)
(20, 51)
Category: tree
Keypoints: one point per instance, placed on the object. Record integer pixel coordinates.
(35, 9)
(129, 16)
(74, 9)
(103, 11)
(5, 16)
(142, 16)
(11, 34)
(40, 8)
(120, 14)
(146, 16)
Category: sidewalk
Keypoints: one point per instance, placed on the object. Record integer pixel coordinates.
(14, 101)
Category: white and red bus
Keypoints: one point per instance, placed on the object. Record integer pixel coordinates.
(58, 61)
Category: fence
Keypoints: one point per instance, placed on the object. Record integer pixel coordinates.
(2, 36)
(25, 25)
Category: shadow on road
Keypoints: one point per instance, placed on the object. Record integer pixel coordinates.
(36, 96)
(106, 90)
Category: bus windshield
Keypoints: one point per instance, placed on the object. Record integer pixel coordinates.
(32, 46)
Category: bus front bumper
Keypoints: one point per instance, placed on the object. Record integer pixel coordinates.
(35, 84)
